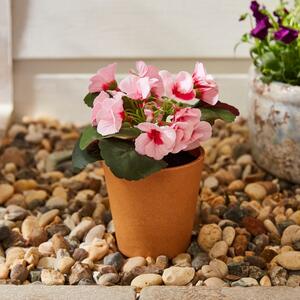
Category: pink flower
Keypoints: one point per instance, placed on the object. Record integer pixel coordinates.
(190, 131)
(144, 70)
(181, 87)
(156, 141)
(149, 114)
(108, 113)
(136, 87)
(104, 79)
(205, 85)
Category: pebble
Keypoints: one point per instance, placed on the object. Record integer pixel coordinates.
(18, 273)
(25, 185)
(82, 228)
(64, 264)
(182, 260)
(265, 281)
(218, 250)
(35, 198)
(228, 235)
(289, 260)
(13, 254)
(240, 244)
(245, 159)
(200, 260)
(134, 262)
(79, 272)
(293, 281)
(32, 256)
(97, 250)
(15, 213)
(52, 277)
(178, 275)
(245, 282)
(4, 232)
(32, 232)
(295, 217)
(270, 226)
(80, 254)
(211, 182)
(162, 261)
(290, 235)
(48, 217)
(253, 225)
(4, 271)
(145, 280)
(236, 185)
(214, 282)
(209, 234)
(96, 232)
(278, 275)
(255, 191)
(114, 259)
(6, 191)
(107, 279)
(56, 202)
(46, 263)
(216, 268)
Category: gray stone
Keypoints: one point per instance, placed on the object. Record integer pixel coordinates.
(205, 293)
(82, 292)
(114, 259)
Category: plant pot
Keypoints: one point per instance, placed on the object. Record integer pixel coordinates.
(274, 124)
(155, 215)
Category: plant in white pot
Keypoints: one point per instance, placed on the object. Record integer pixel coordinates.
(274, 115)
(147, 131)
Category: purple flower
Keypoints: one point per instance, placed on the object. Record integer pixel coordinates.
(286, 35)
(261, 29)
(256, 12)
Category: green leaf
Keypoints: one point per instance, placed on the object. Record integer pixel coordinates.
(270, 61)
(88, 136)
(89, 99)
(81, 158)
(125, 133)
(125, 162)
(211, 114)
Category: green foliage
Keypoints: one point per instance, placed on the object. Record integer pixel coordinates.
(275, 60)
(81, 158)
(210, 115)
(125, 162)
(89, 99)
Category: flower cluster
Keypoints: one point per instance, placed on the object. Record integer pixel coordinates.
(275, 49)
(159, 98)
(149, 116)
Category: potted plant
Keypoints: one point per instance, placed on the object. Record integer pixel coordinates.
(274, 115)
(147, 131)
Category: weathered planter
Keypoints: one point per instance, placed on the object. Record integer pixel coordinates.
(155, 215)
(274, 123)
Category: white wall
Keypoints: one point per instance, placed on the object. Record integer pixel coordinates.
(58, 44)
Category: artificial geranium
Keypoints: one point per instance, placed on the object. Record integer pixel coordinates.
(150, 118)
(275, 41)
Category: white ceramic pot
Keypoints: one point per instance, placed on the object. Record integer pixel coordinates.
(274, 123)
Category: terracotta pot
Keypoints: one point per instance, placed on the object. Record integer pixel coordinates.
(155, 215)
(274, 122)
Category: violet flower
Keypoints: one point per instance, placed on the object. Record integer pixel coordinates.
(256, 12)
(261, 29)
(286, 35)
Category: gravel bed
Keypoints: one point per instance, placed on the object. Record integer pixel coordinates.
(56, 227)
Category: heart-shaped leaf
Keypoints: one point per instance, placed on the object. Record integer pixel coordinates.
(211, 114)
(81, 158)
(125, 162)
(88, 136)
(89, 99)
